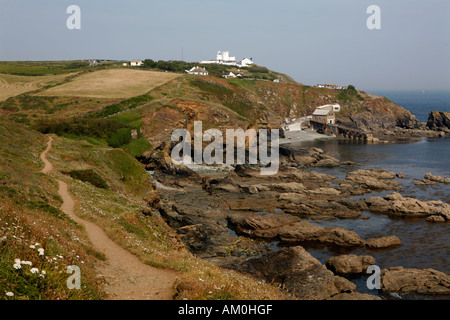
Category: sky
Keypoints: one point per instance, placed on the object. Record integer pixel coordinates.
(313, 41)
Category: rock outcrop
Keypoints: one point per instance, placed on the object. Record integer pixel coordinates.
(438, 121)
(407, 281)
(396, 205)
(349, 264)
(364, 181)
(430, 179)
(300, 274)
(292, 230)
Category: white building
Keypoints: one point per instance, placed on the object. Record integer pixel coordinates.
(136, 63)
(324, 116)
(230, 75)
(245, 62)
(198, 71)
(335, 107)
(225, 59)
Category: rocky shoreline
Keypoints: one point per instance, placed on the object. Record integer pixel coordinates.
(260, 225)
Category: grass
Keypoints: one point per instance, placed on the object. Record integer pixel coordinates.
(111, 83)
(228, 97)
(30, 220)
(138, 147)
(118, 211)
(40, 68)
(13, 85)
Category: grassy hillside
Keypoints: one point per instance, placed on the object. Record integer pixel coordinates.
(95, 141)
(111, 83)
(155, 103)
(30, 219)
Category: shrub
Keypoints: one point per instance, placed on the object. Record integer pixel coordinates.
(89, 176)
(119, 138)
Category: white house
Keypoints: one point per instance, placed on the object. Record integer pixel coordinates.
(198, 71)
(136, 63)
(245, 62)
(230, 75)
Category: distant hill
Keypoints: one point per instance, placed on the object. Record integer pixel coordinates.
(154, 103)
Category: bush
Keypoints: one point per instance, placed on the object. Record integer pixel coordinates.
(138, 147)
(119, 138)
(99, 128)
(89, 176)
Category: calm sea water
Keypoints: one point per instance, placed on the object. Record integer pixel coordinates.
(424, 244)
(419, 103)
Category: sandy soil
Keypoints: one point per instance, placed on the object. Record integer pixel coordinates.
(127, 278)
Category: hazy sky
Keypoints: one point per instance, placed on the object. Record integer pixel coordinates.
(314, 41)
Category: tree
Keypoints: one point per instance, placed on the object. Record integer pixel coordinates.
(149, 63)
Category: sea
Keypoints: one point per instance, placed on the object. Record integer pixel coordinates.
(424, 244)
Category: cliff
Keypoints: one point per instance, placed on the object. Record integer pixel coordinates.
(438, 121)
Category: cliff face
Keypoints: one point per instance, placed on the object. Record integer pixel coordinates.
(439, 121)
(376, 114)
(222, 104)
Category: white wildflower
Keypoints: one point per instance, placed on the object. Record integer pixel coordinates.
(17, 261)
(32, 247)
(17, 266)
(34, 270)
(41, 251)
(43, 272)
(9, 294)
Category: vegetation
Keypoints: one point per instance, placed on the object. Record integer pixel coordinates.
(217, 70)
(227, 96)
(349, 94)
(89, 176)
(41, 68)
(36, 239)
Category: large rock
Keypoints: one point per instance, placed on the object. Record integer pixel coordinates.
(405, 281)
(290, 229)
(363, 181)
(438, 120)
(395, 204)
(383, 242)
(307, 157)
(349, 264)
(430, 179)
(260, 226)
(297, 272)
